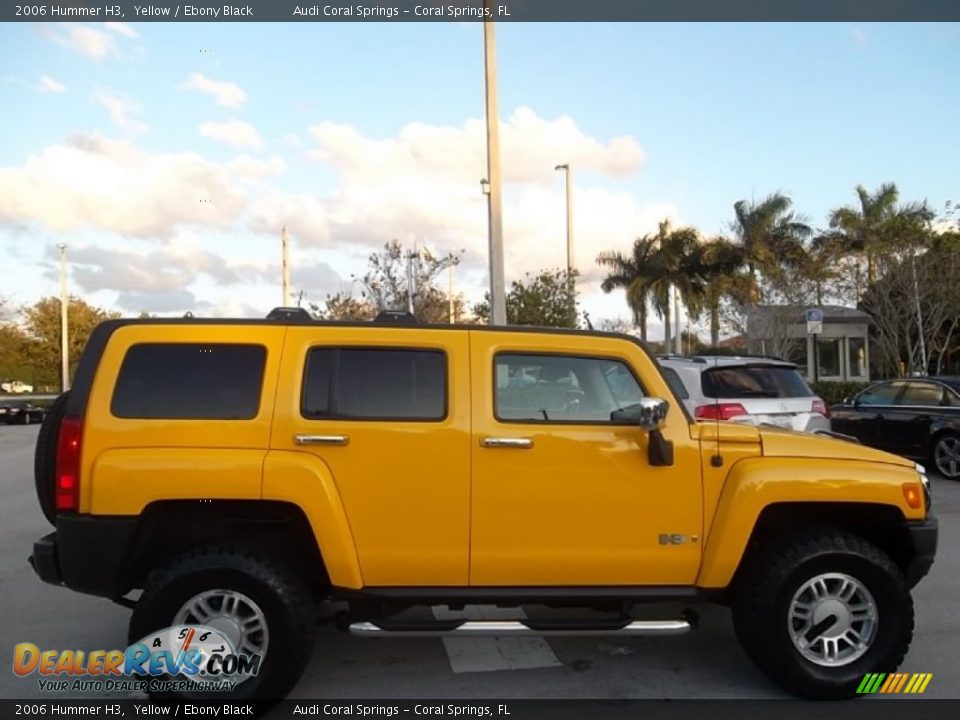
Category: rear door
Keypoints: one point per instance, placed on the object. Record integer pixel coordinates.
(387, 410)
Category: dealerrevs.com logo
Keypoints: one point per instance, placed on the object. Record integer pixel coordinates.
(183, 658)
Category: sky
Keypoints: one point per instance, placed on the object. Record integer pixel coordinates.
(167, 157)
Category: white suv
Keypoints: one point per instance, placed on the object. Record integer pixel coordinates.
(753, 390)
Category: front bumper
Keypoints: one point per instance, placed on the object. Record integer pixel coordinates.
(923, 534)
(87, 554)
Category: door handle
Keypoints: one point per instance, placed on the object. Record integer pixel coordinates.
(321, 439)
(507, 442)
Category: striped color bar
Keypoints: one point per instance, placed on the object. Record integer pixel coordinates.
(893, 683)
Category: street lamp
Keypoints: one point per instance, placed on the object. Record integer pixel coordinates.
(568, 172)
(64, 299)
(498, 307)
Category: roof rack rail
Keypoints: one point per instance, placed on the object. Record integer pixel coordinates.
(674, 356)
(397, 317)
(288, 313)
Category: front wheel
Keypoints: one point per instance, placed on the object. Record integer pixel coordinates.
(259, 606)
(816, 612)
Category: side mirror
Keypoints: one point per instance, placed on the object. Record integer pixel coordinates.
(651, 412)
(846, 400)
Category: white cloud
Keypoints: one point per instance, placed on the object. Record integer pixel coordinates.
(234, 133)
(122, 28)
(47, 84)
(226, 94)
(121, 112)
(91, 181)
(85, 40)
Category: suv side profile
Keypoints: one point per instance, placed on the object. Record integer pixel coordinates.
(239, 472)
(746, 389)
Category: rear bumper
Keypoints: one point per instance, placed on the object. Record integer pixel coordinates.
(923, 534)
(87, 554)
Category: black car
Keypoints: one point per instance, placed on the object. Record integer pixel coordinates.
(918, 419)
(21, 412)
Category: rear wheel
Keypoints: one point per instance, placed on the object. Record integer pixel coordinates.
(946, 456)
(45, 457)
(262, 607)
(818, 611)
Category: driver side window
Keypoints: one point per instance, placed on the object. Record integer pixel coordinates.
(562, 388)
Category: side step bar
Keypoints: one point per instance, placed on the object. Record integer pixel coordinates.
(490, 628)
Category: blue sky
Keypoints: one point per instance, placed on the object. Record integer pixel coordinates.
(352, 134)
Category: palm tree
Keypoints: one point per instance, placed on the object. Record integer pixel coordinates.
(633, 275)
(863, 232)
(769, 235)
(721, 264)
(657, 263)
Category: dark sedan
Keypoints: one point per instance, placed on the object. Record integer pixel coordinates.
(918, 419)
(22, 412)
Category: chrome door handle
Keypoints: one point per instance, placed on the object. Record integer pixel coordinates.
(321, 439)
(507, 442)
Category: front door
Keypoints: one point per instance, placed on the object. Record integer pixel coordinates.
(563, 491)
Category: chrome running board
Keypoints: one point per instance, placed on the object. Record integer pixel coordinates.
(491, 628)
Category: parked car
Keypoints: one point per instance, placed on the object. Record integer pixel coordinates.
(916, 418)
(22, 412)
(15, 386)
(745, 389)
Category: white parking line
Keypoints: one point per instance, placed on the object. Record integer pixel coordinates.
(485, 654)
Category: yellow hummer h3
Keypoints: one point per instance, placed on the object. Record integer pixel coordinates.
(239, 472)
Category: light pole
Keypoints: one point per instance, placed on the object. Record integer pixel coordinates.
(285, 266)
(498, 307)
(568, 172)
(64, 299)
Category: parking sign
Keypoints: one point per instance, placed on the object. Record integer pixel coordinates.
(814, 321)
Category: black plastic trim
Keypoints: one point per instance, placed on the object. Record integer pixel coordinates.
(87, 554)
(924, 535)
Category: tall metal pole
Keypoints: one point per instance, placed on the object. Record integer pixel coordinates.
(285, 266)
(64, 333)
(678, 341)
(450, 292)
(498, 306)
(568, 172)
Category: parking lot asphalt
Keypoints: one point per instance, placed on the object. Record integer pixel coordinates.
(707, 663)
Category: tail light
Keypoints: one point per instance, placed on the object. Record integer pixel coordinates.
(719, 411)
(67, 493)
(819, 406)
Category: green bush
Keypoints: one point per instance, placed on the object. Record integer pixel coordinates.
(834, 392)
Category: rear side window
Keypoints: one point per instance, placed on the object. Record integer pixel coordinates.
(375, 384)
(922, 394)
(754, 381)
(190, 381)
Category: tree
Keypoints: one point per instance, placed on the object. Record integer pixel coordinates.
(547, 299)
(632, 274)
(771, 238)
(720, 262)
(867, 232)
(386, 286)
(42, 332)
(657, 264)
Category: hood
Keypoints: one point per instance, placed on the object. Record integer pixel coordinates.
(789, 443)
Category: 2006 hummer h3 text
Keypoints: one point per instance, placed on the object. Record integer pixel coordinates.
(240, 472)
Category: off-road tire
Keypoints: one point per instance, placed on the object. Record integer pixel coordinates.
(45, 458)
(764, 590)
(285, 599)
